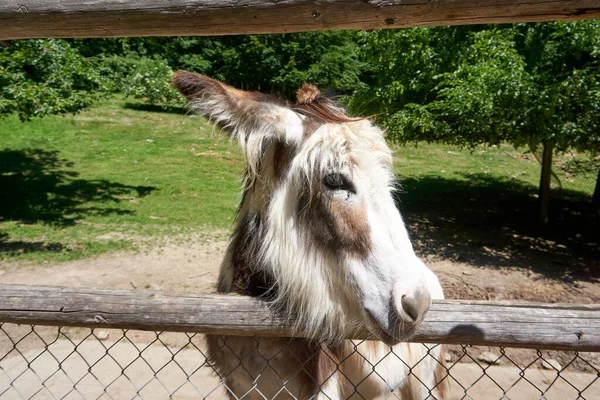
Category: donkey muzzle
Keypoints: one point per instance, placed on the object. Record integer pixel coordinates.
(411, 302)
(396, 317)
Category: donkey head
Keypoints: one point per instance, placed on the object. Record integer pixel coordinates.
(317, 232)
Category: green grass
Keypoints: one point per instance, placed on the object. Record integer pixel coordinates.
(68, 180)
(503, 163)
(121, 173)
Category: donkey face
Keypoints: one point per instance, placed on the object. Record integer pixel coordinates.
(317, 232)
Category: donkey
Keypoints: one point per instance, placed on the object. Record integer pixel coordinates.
(319, 236)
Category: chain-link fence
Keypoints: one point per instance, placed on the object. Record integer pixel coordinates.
(39, 362)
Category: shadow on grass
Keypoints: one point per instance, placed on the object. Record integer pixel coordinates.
(491, 221)
(155, 108)
(8, 246)
(39, 187)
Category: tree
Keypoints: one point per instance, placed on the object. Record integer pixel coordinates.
(43, 77)
(280, 64)
(525, 84)
(271, 63)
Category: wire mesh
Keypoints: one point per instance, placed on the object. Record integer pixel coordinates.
(40, 362)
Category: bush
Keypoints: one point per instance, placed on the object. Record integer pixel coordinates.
(44, 77)
(150, 80)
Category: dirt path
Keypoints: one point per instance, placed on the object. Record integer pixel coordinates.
(194, 266)
(172, 267)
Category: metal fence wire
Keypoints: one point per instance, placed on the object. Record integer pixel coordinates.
(40, 362)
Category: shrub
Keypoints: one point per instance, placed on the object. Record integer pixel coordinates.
(150, 80)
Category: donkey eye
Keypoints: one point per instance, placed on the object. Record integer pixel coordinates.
(336, 181)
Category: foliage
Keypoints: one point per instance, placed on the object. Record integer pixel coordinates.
(42, 77)
(524, 84)
(282, 63)
(271, 63)
(149, 80)
(540, 84)
(481, 101)
(400, 66)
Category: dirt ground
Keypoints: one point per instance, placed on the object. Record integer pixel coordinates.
(193, 265)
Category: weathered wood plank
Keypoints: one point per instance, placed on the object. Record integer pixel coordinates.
(111, 18)
(566, 327)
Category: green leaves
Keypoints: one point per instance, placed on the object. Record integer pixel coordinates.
(150, 80)
(523, 83)
(482, 100)
(42, 77)
(282, 63)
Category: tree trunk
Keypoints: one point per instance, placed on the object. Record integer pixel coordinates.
(596, 198)
(544, 190)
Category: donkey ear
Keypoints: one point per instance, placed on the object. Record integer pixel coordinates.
(251, 117)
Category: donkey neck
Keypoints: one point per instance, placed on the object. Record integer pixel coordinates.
(243, 270)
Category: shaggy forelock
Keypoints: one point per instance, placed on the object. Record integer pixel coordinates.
(335, 146)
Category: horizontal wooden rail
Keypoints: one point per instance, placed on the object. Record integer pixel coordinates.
(546, 326)
(109, 18)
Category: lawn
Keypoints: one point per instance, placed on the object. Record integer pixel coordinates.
(122, 173)
(79, 185)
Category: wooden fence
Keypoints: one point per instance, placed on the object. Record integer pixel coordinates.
(111, 18)
(509, 324)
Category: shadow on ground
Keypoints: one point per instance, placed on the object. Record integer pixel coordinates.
(493, 222)
(156, 108)
(38, 186)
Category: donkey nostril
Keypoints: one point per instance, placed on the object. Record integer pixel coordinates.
(411, 301)
(410, 307)
(415, 306)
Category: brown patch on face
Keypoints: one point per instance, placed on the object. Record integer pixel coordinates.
(352, 227)
(336, 225)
